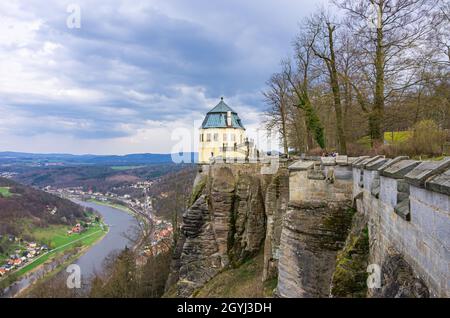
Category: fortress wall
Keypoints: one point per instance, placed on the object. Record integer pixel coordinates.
(408, 216)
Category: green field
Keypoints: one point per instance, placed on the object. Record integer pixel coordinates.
(396, 136)
(4, 192)
(119, 168)
(56, 235)
(389, 137)
(85, 239)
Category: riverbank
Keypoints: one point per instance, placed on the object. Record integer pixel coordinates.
(113, 205)
(143, 222)
(27, 291)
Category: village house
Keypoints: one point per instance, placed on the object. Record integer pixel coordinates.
(76, 229)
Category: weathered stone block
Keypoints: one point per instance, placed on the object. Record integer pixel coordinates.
(400, 169)
(434, 199)
(361, 163)
(359, 159)
(425, 170)
(342, 160)
(375, 164)
(442, 229)
(301, 165)
(439, 183)
(368, 176)
(402, 186)
(390, 162)
(316, 175)
(388, 191)
(328, 161)
(402, 196)
(375, 187)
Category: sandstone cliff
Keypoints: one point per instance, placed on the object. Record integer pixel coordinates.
(226, 223)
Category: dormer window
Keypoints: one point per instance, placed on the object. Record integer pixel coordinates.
(229, 118)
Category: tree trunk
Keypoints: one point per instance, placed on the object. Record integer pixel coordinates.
(377, 114)
(284, 129)
(334, 81)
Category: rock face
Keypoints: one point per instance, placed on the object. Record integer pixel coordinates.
(225, 225)
(277, 198)
(248, 219)
(399, 281)
(200, 258)
(314, 229)
(311, 237)
(350, 276)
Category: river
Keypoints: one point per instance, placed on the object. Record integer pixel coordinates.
(120, 225)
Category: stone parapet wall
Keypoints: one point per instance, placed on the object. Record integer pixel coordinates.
(409, 215)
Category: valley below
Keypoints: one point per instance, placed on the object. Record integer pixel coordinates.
(90, 258)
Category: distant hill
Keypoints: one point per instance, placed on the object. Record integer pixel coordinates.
(22, 205)
(52, 159)
(172, 191)
(91, 177)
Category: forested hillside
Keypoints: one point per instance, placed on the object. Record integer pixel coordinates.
(22, 206)
(172, 191)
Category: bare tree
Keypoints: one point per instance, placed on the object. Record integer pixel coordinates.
(277, 97)
(299, 81)
(322, 25)
(389, 33)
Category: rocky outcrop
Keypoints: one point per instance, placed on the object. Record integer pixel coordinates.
(200, 258)
(350, 275)
(248, 219)
(323, 223)
(398, 280)
(277, 198)
(312, 235)
(314, 229)
(225, 225)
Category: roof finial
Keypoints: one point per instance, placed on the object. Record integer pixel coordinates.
(221, 98)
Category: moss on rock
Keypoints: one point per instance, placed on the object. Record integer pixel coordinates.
(197, 190)
(350, 276)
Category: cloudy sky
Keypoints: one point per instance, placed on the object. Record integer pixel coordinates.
(135, 71)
